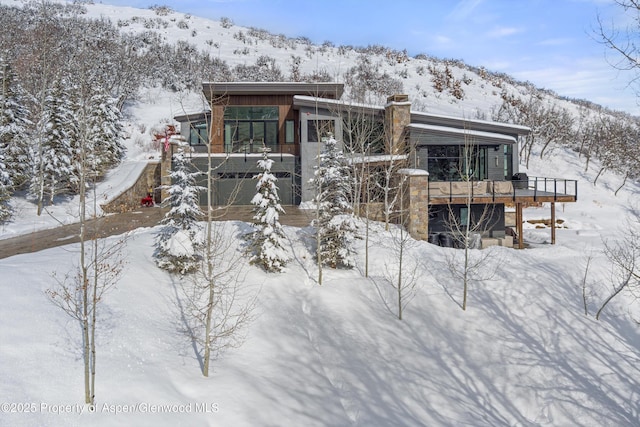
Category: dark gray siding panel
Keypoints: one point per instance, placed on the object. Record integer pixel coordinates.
(233, 179)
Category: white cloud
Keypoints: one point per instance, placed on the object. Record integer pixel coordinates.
(464, 9)
(500, 32)
(555, 42)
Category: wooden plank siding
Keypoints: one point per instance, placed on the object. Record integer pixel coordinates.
(285, 112)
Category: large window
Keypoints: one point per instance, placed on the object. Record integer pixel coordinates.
(319, 130)
(457, 163)
(246, 129)
(198, 133)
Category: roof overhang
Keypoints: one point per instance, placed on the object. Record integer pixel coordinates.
(193, 117)
(476, 136)
(336, 105)
(462, 123)
(220, 89)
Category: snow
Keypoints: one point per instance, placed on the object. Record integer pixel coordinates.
(524, 353)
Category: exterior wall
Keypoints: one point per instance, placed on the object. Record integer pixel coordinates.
(309, 151)
(416, 202)
(285, 112)
(495, 163)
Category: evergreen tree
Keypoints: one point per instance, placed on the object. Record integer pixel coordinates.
(14, 124)
(178, 242)
(5, 189)
(335, 224)
(267, 239)
(106, 132)
(53, 170)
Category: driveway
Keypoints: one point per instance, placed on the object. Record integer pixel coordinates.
(101, 227)
(119, 223)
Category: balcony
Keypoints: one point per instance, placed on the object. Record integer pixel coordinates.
(528, 190)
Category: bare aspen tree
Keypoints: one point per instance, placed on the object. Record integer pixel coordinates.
(363, 139)
(585, 277)
(100, 264)
(403, 273)
(470, 264)
(220, 303)
(624, 256)
(622, 41)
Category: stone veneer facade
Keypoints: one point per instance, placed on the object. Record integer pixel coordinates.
(130, 198)
(416, 205)
(397, 117)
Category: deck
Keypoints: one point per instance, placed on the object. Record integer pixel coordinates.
(533, 190)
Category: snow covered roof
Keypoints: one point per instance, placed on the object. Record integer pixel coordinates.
(477, 134)
(413, 172)
(378, 158)
(417, 118)
(461, 122)
(336, 105)
(324, 90)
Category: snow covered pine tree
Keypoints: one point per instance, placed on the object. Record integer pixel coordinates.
(53, 171)
(178, 241)
(335, 224)
(13, 129)
(267, 240)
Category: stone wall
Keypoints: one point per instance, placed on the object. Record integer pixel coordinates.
(416, 202)
(130, 198)
(397, 117)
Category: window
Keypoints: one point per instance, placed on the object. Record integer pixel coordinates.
(246, 129)
(455, 163)
(198, 133)
(289, 132)
(464, 216)
(319, 130)
(508, 161)
(363, 134)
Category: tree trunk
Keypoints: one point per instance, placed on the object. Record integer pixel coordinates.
(400, 275)
(624, 181)
(595, 181)
(209, 266)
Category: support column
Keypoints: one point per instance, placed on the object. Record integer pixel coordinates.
(415, 202)
(519, 226)
(553, 223)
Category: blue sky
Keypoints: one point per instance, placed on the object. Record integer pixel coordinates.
(548, 42)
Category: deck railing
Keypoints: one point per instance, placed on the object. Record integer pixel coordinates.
(535, 187)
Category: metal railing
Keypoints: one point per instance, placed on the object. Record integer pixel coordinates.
(532, 187)
(555, 186)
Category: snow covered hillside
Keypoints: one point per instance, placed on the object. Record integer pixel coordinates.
(524, 353)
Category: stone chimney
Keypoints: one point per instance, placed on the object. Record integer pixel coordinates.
(397, 118)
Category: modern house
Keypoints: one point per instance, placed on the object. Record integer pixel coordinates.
(453, 169)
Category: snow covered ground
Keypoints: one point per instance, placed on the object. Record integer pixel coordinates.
(523, 354)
